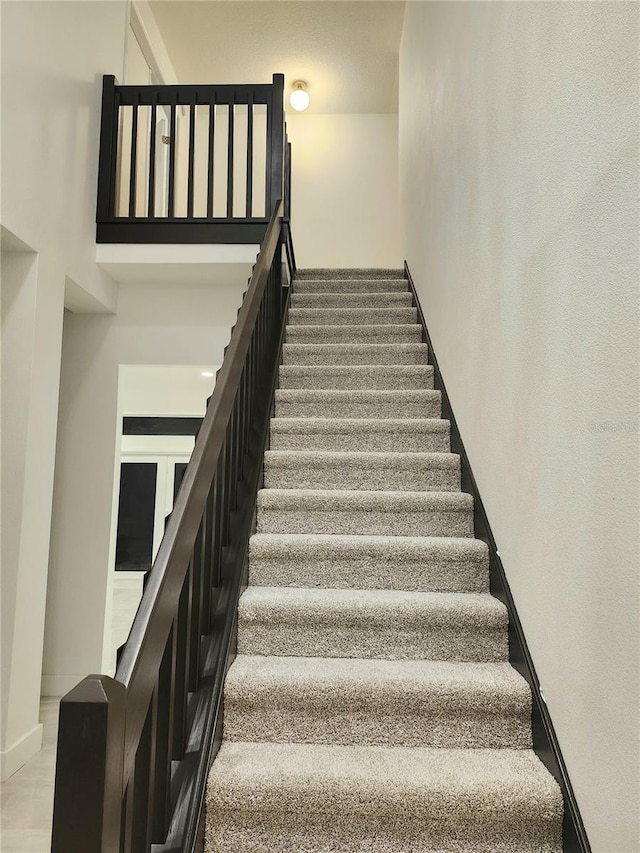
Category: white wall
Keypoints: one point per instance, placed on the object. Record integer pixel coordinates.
(156, 324)
(519, 196)
(344, 197)
(165, 390)
(53, 56)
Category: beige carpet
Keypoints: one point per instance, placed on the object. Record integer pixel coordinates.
(372, 706)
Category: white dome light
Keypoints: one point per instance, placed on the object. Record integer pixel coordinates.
(299, 98)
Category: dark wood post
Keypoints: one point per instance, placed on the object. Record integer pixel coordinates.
(88, 793)
(107, 156)
(276, 143)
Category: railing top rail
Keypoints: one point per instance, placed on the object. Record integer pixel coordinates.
(143, 652)
(198, 93)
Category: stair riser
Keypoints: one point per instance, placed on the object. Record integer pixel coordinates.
(382, 442)
(367, 522)
(349, 317)
(429, 406)
(366, 573)
(388, 723)
(390, 333)
(380, 285)
(438, 577)
(393, 640)
(309, 354)
(354, 301)
(420, 477)
(423, 565)
(383, 378)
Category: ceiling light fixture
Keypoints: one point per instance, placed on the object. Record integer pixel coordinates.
(299, 98)
(206, 373)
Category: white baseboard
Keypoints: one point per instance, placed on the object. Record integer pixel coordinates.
(58, 685)
(12, 759)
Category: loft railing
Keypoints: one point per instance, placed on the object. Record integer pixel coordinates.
(134, 751)
(191, 164)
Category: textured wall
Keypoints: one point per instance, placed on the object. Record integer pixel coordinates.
(519, 185)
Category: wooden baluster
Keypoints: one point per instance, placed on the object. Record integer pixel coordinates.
(211, 153)
(140, 785)
(151, 209)
(172, 160)
(230, 160)
(134, 152)
(249, 199)
(192, 141)
(196, 610)
(163, 750)
(181, 679)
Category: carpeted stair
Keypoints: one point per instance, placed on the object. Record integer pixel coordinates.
(371, 707)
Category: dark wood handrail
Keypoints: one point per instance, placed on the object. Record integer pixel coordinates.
(134, 751)
(144, 649)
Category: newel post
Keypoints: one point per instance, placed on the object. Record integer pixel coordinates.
(276, 143)
(88, 793)
(107, 155)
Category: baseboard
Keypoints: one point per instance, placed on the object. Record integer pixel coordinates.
(545, 740)
(59, 685)
(12, 759)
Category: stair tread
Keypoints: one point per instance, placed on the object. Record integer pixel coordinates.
(350, 299)
(349, 273)
(392, 395)
(415, 780)
(362, 285)
(343, 561)
(310, 425)
(330, 354)
(349, 333)
(373, 500)
(382, 403)
(340, 316)
(402, 546)
(357, 376)
(362, 605)
(289, 680)
(363, 511)
(347, 347)
(373, 459)
(340, 369)
(342, 345)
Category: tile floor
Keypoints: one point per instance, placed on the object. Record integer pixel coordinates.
(26, 799)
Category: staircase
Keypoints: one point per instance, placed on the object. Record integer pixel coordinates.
(371, 706)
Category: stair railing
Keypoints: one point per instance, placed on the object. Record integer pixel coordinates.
(134, 751)
(190, 163)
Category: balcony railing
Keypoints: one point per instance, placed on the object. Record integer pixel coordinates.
(191, 164)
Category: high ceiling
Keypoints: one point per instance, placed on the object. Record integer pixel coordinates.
(346, 51)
